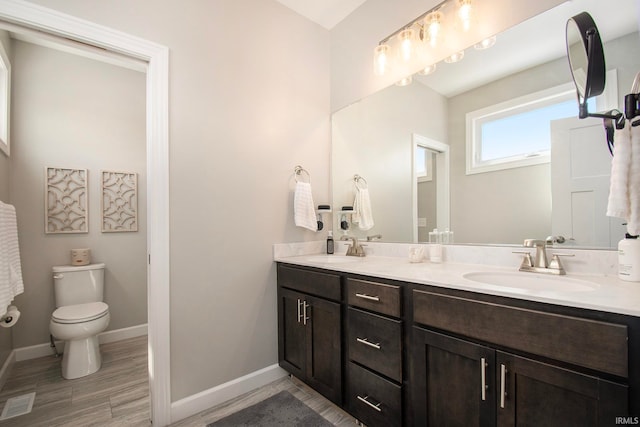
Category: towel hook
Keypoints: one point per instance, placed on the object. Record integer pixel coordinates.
(298, 171)
(358, 180)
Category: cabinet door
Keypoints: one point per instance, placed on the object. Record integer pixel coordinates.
(291, 332)
(453, 381)
(533, 393)
(324, 355)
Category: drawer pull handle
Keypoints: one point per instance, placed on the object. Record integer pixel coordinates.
(364, 399)
(483, 378)
(503, 380)
(368, 297)
(299, 311)
(367, 342)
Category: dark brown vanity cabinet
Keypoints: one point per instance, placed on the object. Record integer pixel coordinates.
(409, 354)
(459, 381)
(309, 328)
(374, 336)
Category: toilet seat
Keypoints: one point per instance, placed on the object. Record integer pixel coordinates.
(80, 313)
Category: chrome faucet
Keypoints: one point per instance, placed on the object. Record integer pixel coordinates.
(355, 249)
(540, 263)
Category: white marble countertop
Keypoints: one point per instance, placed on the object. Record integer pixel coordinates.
(591, 291)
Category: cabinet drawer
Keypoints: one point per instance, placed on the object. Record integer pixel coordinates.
(374, 296)
(311, 282)
(372, 399)
(375, 342)
(593, 344)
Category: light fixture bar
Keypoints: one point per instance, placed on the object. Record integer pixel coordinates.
(414, 22)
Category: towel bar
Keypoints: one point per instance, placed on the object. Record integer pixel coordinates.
(358, 180)
(298, 171)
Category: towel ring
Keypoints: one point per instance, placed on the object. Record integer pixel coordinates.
(359, 181)
(298, 171)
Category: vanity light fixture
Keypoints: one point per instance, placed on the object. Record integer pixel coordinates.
(421, 42)
(433, 25)
(381, 59)
(465, 13)
(405, 81)
(429, 69)
(486, 43)
(407, 46)
(456, 57)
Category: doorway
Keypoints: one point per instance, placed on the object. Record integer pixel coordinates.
(27, 16)
(430, 165)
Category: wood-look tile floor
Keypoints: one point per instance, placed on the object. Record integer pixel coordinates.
(118, 394)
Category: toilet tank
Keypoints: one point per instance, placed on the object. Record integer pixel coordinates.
(78, 284)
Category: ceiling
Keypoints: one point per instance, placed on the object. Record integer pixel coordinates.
(327, 13)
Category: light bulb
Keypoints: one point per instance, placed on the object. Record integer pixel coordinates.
(429, 69)
(464, 13)
(433, 24)
(381, 60)
(486, 43)
(455, 57)
(407, 45)
(406, 81)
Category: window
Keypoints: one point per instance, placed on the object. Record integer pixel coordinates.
(517, 133)
(5, 94)
(424, 164)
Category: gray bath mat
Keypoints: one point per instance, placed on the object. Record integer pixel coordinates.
(279, 410)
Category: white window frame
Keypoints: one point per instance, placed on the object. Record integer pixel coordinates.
(5, 89)
(607, 101)
(475, 120)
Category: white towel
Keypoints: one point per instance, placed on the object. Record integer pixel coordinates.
(10, 268)
(624, 189)
(304, 212)
(362, 213)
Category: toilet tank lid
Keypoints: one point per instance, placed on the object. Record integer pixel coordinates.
(67, 268)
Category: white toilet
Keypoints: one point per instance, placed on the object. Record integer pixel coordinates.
(79, 317)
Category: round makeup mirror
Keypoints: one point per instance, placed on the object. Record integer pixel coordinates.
(586, 58)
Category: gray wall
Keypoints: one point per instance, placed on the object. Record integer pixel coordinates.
(373, 138)
(5, 334)
(74, 112)
(248, 101)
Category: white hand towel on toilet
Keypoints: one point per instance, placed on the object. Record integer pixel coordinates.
(304, 212)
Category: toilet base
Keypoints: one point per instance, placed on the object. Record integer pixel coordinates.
(81, 358)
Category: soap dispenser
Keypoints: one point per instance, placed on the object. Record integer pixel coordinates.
(330, 243)
(629, 258)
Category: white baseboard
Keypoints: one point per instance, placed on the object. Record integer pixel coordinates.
(193, 404)
(42, 350)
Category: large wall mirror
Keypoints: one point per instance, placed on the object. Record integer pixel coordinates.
(560, 190)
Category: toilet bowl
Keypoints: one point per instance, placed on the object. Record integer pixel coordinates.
(79, 325)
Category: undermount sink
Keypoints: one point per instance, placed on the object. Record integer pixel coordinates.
(332, 259)
(531, 281)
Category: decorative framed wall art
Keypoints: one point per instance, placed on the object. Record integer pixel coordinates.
(119, 201)
(66, 201)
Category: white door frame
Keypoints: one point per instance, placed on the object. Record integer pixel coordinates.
(442, 181)
(33, 16)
